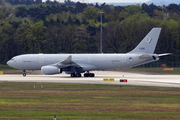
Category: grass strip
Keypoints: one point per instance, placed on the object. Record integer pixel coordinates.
(87, 101)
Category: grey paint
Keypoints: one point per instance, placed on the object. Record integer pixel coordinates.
(70, 63)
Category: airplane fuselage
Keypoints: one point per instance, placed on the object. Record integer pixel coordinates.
(75, 64)
(92, 61)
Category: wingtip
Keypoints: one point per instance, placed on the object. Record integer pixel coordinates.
(164, 54)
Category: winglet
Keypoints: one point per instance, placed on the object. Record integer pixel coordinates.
(148, 44)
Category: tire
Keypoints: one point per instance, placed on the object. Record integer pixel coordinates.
(78, 75)
(91, 75)
(24, 74)
(73, 75)
(86, 75)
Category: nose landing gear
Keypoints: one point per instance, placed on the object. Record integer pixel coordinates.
(24, 73)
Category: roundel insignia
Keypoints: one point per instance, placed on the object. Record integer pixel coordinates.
(148, 39)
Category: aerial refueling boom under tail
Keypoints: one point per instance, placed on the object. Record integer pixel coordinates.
(75, 64)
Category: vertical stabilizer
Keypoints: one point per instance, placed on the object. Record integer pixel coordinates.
(148, 44)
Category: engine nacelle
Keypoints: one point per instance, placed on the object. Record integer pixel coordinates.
(50, 70)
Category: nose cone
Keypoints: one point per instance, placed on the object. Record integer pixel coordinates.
(9, 63)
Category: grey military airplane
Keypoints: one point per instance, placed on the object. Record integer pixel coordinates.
(75, 64)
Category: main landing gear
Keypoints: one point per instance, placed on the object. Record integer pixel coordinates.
(24, 73)
(75, 74)
(89, 74)
(85, 75)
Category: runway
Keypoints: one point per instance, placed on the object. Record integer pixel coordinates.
(132, 79)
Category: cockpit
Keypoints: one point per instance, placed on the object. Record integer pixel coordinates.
(12, 59)
(13, 62)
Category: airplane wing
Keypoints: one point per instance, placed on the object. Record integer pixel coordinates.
(66, 63)
(69, 62)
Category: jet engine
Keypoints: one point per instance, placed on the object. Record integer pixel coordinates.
(50, 70)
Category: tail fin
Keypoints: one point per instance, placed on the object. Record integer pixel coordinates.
(148, 44)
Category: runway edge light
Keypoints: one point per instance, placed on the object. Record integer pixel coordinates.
(123, 80)
(54, 117)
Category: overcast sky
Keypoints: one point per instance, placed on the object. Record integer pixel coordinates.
(107, 1)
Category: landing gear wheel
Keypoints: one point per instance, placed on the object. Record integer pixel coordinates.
(91, 75)
(76, 75)
(24, 74)
(73, 75)
(86, 75)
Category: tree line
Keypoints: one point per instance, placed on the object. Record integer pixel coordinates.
(26, 2)
(44, 28)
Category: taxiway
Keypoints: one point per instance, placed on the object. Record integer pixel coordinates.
(132, 79)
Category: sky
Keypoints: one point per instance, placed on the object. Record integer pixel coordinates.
(108, 1)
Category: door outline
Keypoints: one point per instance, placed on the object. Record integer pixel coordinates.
(123, 58)
(41, 59)
(19, 60)
(89, 60)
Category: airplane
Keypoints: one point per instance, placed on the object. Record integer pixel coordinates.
(75, 64)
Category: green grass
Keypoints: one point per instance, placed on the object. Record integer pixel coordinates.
(87, 101)
(6, 67)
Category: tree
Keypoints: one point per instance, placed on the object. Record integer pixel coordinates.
(174, 8)
(38, 1)
(80, 7)
(169, 39)
(130, 10)
(159, 15)
(67, 37)
(90, 12)
(7, 45)
(36, 37)
(81, 40)
(4, 12)
(133, 9)
(134, 28)
(20, 38)
(55, 43)
(113, 16)
(2, 2)
(149, 8)
(112, 37)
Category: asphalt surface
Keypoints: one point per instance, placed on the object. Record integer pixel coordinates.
(132, 79)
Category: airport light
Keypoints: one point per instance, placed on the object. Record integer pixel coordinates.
(101, 31)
